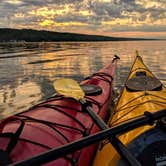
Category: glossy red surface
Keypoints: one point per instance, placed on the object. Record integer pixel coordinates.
(53, 135)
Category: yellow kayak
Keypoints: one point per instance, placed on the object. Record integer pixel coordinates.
(142, 94)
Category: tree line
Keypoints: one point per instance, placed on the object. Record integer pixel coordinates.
(30, 35)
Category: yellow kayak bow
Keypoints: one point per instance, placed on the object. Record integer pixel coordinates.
(142, 94)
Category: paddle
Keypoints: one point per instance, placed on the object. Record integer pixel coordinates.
(70, 88)
(58, 152)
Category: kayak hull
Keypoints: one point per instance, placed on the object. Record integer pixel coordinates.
(136, 99)
(56, 122)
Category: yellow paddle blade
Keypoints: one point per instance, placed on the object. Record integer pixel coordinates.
(69, 88)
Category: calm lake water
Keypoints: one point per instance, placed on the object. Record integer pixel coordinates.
(27, 70)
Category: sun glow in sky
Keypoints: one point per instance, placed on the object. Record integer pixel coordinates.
(145, 18)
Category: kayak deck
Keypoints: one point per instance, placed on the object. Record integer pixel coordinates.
(56, 122)
(137, 99)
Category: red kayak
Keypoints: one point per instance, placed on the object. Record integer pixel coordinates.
(56, 122)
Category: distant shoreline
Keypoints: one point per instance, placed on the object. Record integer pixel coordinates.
(30, 35)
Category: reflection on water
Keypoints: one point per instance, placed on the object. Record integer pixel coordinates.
(29, 69)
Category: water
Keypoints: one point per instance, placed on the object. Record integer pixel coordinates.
(27, 70)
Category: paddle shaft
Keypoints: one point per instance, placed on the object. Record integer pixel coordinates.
(62, 151)
(118, 145)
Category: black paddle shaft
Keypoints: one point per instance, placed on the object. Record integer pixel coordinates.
(58, 152)
(118, 145)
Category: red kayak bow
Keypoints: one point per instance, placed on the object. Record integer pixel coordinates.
(56, 122)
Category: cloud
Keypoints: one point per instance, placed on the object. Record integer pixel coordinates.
(144, 28)
(66, 15)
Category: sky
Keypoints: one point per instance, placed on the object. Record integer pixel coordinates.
(125, 18)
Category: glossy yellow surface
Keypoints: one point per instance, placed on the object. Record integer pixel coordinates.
(69, 88)
(130, 105)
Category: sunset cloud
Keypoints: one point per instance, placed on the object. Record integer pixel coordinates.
(97, 16)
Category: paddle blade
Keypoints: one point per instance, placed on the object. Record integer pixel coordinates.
(69, 88)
